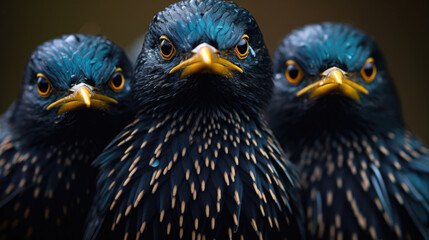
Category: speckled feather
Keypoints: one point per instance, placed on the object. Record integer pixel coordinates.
(202, 173)
(46, 181)
(199, 161)
(364, 175)
(35, 178)
(365, 185)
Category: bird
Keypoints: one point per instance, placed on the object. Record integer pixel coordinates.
(336, 113)
(198, 161)
(77, 94)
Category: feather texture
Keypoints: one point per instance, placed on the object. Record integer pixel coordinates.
(198, 162)
(364, 174)
(46, 180)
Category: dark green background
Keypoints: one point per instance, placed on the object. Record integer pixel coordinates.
(400, 27)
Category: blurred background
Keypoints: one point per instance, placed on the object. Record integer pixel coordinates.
(400, 27)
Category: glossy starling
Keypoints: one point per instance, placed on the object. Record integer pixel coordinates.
(198, 162)
(335, 110)
(76, 97)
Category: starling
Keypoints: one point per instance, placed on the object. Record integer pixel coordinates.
(76, 97)
(198, 162)
(336, 111)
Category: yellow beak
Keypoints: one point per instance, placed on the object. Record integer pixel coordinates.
(333, 81)
(81, 96)
(206, 60)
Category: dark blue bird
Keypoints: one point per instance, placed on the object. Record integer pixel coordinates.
(336, 111)
(76, 97)
(198, 162)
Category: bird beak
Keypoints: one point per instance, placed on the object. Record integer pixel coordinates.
(333, 81)
(205, 59)
(82, 96)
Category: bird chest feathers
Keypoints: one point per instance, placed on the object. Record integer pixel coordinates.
(357, 183)
(43, 186)
(207, 173)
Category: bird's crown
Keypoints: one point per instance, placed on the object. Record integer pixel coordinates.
(317, 47)
(71, 59)
(216, 22)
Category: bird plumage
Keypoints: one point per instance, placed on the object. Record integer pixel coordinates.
(46, 180)
(364, 174)
(199, 160)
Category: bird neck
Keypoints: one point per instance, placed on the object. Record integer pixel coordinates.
(201, 119)
(333, 134)
(302, 126)
(90, 132)
(204, 113)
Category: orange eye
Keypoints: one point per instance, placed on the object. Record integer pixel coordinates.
(166, 48)
(368, 70)
(242, 47)
(44, 86)
(117, 80)
(293, 72)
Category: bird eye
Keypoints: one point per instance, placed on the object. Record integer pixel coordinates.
(117, 80)
(166, 48)
(293, 72)
(44, 86)
(368, 70)
(242, 47)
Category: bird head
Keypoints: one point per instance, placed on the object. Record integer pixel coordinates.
(74, 82)
(332, 75)
(204, 52)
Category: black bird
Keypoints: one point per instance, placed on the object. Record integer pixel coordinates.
(199, 161)
(76, 96)
(337, 113)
